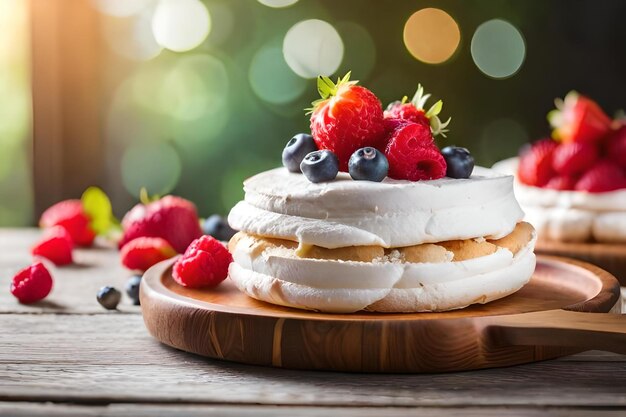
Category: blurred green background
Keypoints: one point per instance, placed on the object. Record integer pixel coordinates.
(194, 96)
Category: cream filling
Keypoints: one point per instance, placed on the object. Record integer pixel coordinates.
(570, 216)
(278, 276)
(392, 213)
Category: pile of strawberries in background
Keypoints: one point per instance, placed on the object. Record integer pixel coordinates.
(151, 232)
(587, 151)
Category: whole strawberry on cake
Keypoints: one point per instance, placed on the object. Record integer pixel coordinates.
(572, 185)
(369, 214)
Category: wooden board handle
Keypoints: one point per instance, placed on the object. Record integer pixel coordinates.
(602, 331)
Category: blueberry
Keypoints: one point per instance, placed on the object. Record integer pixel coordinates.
(368, 164)
(320, 166)
(132, 288)
(218, 227)
(459, 160)
(296, 149)
(109, 297)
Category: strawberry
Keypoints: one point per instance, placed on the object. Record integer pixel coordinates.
(32, 283)
(562, 183)
(414, 111)
(604, 176)
(578, 119)
(141, 253)
(412, 154)
(55, 245)
(616, 146)
(171, 218)
(71, 215)
(574, 157)
(204, 264)
(347, 117)
(535, 163)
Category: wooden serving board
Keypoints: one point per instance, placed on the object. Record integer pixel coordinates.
(608, 256)
(562, 310)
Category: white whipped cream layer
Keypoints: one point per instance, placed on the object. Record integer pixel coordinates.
(277, 276)
(570, 216)
(392, 213)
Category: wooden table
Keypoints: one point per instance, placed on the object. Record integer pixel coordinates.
(67, 356)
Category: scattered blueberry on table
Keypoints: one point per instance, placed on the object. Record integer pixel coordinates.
(218, 227)
(109, 297)
(132, 288)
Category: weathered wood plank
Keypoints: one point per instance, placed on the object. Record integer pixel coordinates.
(75, 286)
(111, 358)
(197, 410)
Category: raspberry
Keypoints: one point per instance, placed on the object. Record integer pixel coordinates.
(71, 215)
(535, 163)
(143, 252)
(616, 146)
(602, 177)
(204, 264)
(56, 245)
(574, 157)
(562, 183)
(32, 283)
(412, 154)
(392, 124)
(408, 112)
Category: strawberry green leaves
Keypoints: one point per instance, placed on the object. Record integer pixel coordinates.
(97, 206)
(432, 114)
(327, 89)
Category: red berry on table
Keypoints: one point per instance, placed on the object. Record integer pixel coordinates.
(562, 183)
(535, 163)
(578, 119)
(71, 215)
(55, 245)
(412, 154)
(414, 111)
(574, 157)
(604, 176)
(347, 117)
(171, 218)
(204, 264)
(141, 253)
(616, 146)
(32, 284)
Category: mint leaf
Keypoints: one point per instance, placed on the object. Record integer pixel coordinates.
(98, 207)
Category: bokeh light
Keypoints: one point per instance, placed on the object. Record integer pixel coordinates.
(155, 166)
(498, 48)
(360, 57)
(313, 47)
(278, 3)
(499, 138)
(197, 85)
(271, 79)
(121, 8)
(222, 23)
(132, 37)
(180, 25)
(431, 35)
